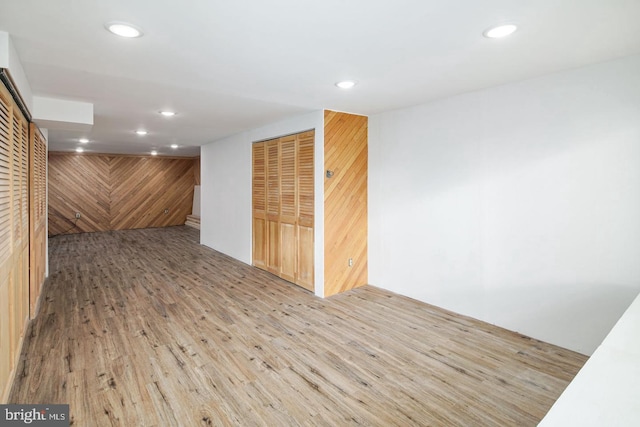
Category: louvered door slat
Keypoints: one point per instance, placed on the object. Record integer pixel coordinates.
(273, 206)
(259, 176)
(5, 180)
(288, 232)
(37, 217)
(25, 178)
(305, 206)
(259, 198)
(288, 176)
(283, 176)
(40, 186)
(273, 181)
(16, 181)
(14, 233)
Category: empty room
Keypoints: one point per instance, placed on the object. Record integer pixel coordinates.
(319, 213)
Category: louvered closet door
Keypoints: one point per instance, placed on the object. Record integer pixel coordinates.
(259, 196)
(305, 211)
(273, 206)
(283, 207)
(38, 217)
(288, 234)
(5, 182)
(16, 178)
(14, 233)
(6, 238)
(21, 141)
(19, 288)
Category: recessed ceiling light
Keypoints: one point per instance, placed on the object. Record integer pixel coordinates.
(347, 84)
(174, 146)
(500, 31)
(123, 29)
(79, 150)
(83, 140)
(141, 132)
(167, 113)
(154, 153)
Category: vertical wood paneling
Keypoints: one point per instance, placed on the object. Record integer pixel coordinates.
(345, 202)
(14, 232)
(117, 192)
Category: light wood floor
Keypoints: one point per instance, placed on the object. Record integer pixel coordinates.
(148, 328)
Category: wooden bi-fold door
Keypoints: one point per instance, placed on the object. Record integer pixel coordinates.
(14, 235)
(283, 207)
(38, 215)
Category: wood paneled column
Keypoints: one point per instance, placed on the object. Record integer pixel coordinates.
(345, 202)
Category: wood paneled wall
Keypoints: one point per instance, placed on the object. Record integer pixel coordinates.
(118, 192)
(196, 171)
(345, 202)
(14, 236)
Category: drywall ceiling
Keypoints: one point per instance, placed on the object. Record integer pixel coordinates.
(226, 66)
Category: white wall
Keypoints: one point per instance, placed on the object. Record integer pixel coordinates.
(47, 112)
(605, 391)
(62, 114)
(226, 189)
(195, 209)
(9, 59)
(518, 205)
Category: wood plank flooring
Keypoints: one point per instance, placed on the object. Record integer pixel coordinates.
(148, 328)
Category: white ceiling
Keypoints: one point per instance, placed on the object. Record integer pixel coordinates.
(226, 66)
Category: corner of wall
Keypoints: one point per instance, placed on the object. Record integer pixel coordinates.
(10, 60)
